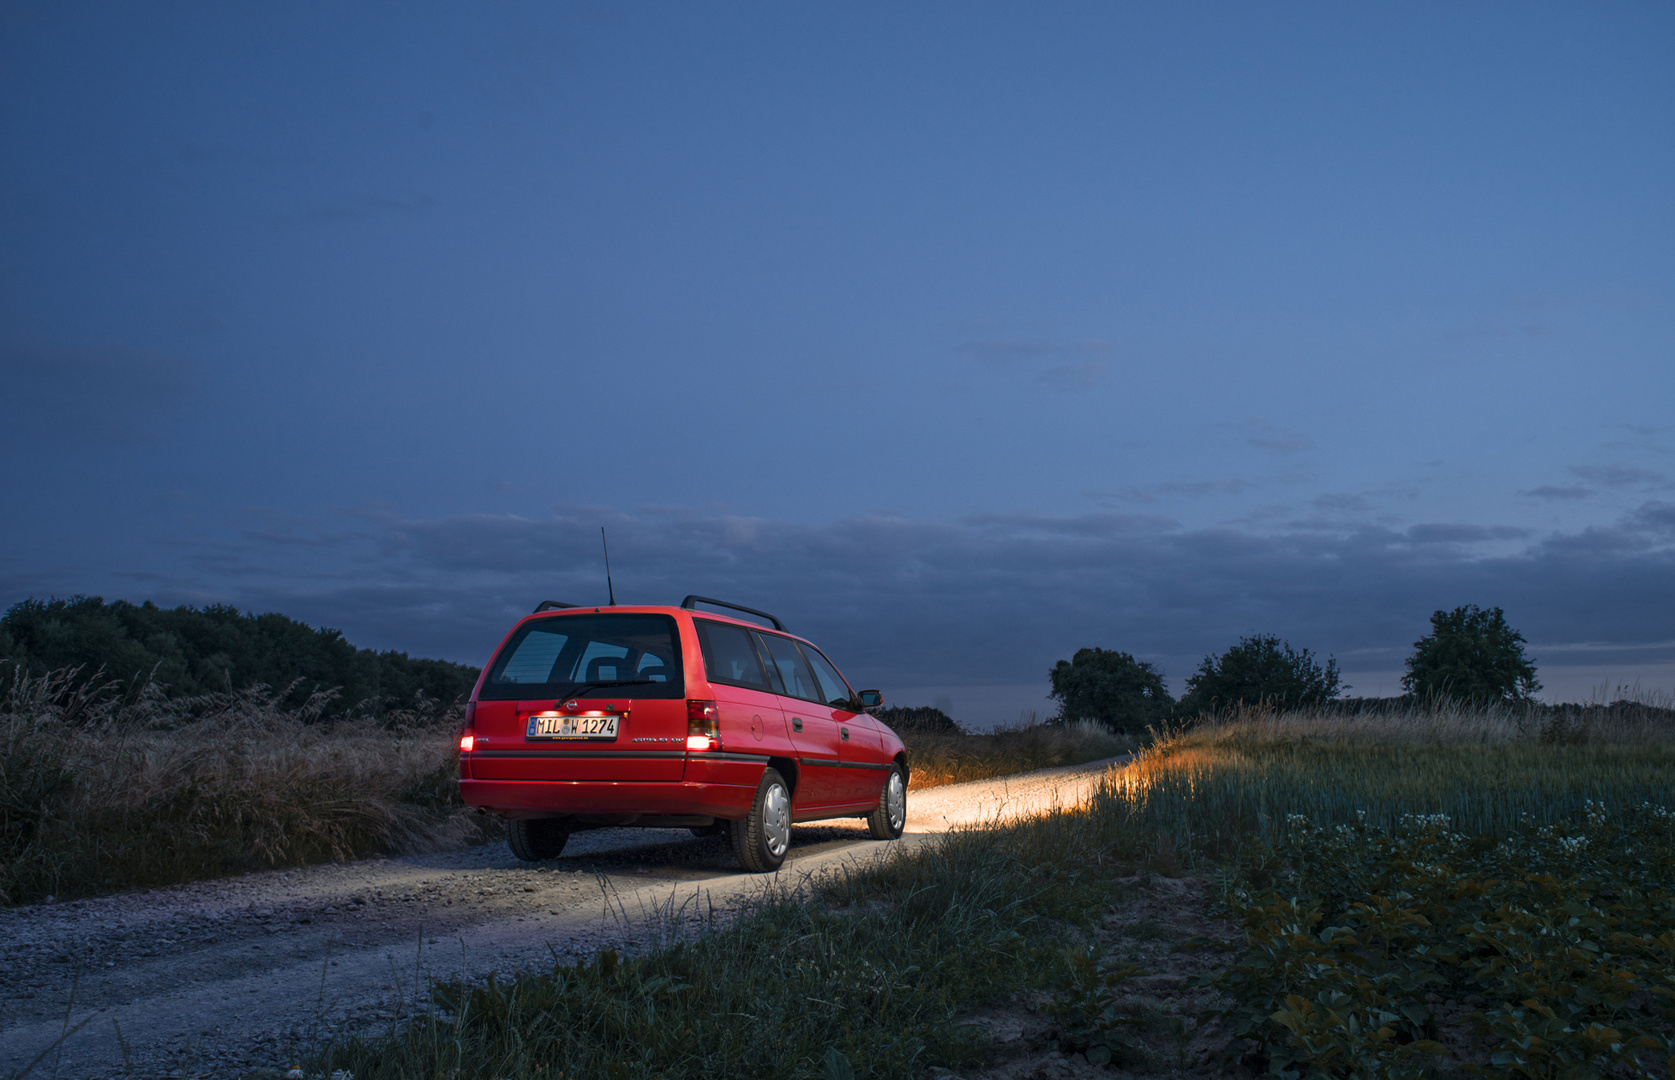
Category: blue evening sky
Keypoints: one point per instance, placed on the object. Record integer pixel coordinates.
(960, 335)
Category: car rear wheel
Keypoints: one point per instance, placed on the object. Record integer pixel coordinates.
(534, 839)
(762, 839)
(889, 817)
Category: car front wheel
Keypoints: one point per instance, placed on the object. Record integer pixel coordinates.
(889, 817)
(534, 839)
(762, 839)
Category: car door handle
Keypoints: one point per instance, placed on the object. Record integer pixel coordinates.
(796, 723)
(845, 734)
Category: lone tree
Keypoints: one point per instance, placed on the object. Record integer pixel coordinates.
(1472, 656)
(1112, 688)
(1261, 669)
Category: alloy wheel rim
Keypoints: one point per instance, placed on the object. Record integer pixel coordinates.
(896, 801)
(776, 820)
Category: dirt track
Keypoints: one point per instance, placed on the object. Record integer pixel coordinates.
(227, 978)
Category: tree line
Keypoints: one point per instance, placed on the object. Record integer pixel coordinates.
(1470, 656)
(190, 651)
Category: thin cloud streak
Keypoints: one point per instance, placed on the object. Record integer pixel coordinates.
(993, 599)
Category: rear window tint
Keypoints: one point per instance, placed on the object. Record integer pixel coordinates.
(730, 656)
(548, 658)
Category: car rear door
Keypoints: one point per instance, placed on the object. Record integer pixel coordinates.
(747, 707)
(816, 737)
(860, 749)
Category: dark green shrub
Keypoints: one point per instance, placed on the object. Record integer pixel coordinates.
(1110, 688)
(1260, 670)
(1470, 655)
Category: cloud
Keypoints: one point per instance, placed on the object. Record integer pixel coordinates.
(1083, 376)
(1058, 365)
(368, 205)
(1619, 475)
(1547, 491)
(107, 394)
(1266, 436)
(1153, 493)
(1006, 351)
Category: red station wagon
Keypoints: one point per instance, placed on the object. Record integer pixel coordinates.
(589, 717)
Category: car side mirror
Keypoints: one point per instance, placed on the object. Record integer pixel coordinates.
(871, 699)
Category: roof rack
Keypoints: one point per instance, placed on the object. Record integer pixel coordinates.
(691, 604)
(547, 605)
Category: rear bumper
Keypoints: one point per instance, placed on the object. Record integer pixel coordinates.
(531, 798)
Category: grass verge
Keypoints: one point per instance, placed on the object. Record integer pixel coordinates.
(864, 973)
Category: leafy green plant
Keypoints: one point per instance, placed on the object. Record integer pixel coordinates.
(1089, 1010)
(1383, 937)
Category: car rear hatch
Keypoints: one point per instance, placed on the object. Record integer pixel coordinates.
(589, 696)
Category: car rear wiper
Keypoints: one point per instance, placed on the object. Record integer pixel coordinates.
(582, 688)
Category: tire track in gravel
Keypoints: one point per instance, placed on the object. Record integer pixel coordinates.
(231, 978)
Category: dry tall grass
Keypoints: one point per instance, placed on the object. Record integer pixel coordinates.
(100, 792)
(938, 759)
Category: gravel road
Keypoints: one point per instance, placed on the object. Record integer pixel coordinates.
(230, 978)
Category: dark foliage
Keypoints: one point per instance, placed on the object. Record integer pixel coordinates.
(1112, 688)
(193, 651)
(1470, 655)
(1259, 670)
(924, 720)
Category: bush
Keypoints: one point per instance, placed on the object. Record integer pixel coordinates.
(1470, 655)
(1261, 670)
(1110, 688)
(926, 719)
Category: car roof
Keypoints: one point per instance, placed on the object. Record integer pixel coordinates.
(656, 609)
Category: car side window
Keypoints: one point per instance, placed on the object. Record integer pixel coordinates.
(834, 691)
(799, 680)
(729, 655)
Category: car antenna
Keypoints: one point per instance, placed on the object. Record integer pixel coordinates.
(609, 590)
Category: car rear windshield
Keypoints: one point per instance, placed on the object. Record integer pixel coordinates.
(550, 658)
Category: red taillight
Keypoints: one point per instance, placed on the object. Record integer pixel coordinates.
(703, 731)
(468, 737)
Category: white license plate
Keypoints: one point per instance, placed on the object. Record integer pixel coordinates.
(553, 726)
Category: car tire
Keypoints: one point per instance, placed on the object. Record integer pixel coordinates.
(762, 839)
(534, 839)
(889, 817)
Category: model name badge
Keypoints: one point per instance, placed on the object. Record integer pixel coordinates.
(651, 738)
